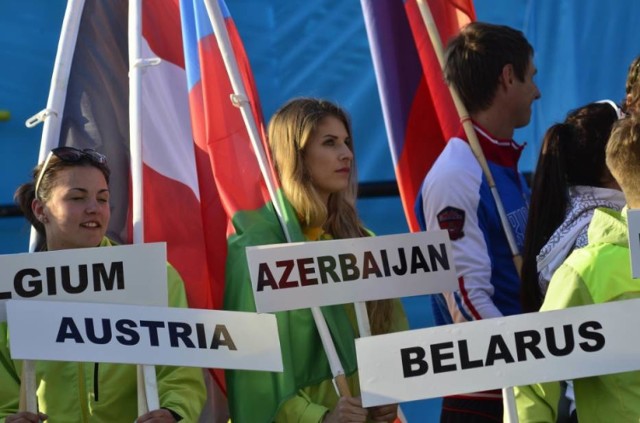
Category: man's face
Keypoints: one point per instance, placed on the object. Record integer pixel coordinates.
(524, 93)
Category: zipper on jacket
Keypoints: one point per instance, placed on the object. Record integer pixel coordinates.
(95, 381)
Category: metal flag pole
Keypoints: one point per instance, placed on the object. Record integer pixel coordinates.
(146, 381)
(52, 118)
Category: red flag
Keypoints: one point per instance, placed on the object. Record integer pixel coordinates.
(205, 169)
(419, 113)
(198, 166)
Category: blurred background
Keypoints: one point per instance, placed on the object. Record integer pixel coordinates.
(320, 48)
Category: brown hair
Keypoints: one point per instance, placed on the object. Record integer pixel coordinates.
(632, 87)
(623, 157)
(290, 129)
(25, 193)
(474, 60)
(572, 153)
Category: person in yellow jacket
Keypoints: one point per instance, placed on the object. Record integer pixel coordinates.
(598, 273)
(69, 205)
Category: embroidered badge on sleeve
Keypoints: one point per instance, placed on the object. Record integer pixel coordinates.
(452, 219)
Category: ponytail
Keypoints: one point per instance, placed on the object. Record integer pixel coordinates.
(23, 197)
(549, 201)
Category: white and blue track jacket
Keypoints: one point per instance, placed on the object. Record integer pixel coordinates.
(455, 196)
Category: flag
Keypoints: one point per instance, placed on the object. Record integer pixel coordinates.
(202, 185)
(419, 113)
(96, 116)
(197, 167)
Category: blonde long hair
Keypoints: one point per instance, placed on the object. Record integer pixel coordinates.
(290, 130)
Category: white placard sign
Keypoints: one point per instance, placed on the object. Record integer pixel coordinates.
(633, 220)
(497, 353)
(113, 333)
(310, 274)
(125, 274)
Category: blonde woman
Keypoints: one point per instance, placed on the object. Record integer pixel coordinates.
(312, 149)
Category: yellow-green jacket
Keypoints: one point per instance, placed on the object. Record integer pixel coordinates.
(598, 273)
(312, 402)
(71, 392)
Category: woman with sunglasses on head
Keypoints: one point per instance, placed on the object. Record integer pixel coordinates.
(311, 146)
(68, 204)
(571, 180)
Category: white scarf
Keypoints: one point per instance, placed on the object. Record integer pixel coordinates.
(572, 233)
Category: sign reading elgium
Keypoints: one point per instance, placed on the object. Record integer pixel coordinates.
(310, 274)
(112, 333)
(497, 353)
(125, 274)
(633, 220)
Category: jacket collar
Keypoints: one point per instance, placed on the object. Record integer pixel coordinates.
(609, 227)
(503, 152)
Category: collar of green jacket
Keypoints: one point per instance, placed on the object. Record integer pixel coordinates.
(609, 227)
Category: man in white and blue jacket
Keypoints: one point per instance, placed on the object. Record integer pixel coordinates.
(492, 69)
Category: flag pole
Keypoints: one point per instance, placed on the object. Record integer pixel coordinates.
(511, 413)
(471, 134)
(52, 118)
(146, 375)
(240, 99)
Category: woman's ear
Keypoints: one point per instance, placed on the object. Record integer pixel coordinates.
(39, 210)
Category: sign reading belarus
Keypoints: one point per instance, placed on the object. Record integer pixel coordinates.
(633, 220)
(127, 274)
(309, 274)
(111, 333)
(497, 353)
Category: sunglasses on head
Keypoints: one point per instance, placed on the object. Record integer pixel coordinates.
(619, 113)
(70, 155)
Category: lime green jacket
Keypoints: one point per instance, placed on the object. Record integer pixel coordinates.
(303, 392)
(598, 273)
(312, 403)
(71, 392)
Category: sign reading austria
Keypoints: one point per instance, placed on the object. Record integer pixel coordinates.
(112, 333)
(498, 353)
(126, 274)
(310, 274)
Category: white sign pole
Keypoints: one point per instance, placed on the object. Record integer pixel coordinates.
(494, 353)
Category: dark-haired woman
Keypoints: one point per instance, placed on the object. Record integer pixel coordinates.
(571, 180)
(68, 204)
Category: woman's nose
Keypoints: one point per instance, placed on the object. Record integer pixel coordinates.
(92, 206)
(346, 153)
